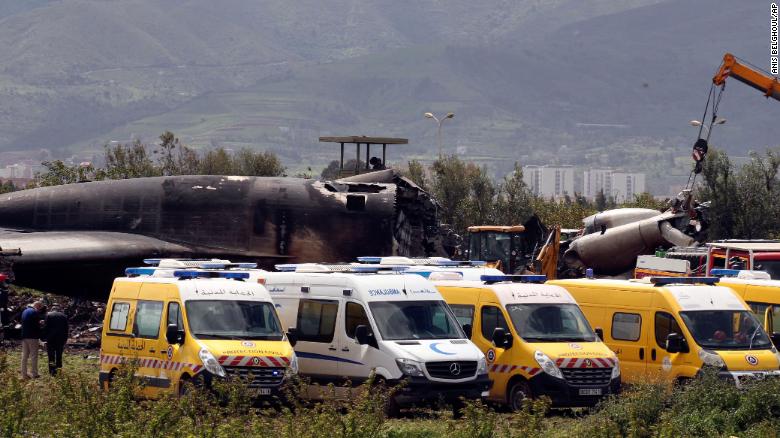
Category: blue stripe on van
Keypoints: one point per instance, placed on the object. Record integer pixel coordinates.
(304, 355)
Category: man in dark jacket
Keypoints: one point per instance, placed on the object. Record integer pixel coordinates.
(31, 335)
(56, 335)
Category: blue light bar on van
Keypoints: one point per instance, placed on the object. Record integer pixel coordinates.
(376, 268)
(288, 267)
(211, 274)
(724, 272)
(135, 272)
(217, 265)
(369, 259)
(514, 278)
(152, 262)
(663, 281)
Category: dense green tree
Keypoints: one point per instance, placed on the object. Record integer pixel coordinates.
(129, 161)
(170, 157)
(415, 171)
(514, 202)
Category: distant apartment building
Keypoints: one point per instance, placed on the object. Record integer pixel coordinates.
(622, 186)
(549, 181)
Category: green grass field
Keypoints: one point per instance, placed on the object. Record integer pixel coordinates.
(72, 405)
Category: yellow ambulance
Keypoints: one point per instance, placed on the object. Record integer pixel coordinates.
(195, 326)
(536, 339)
(760, 292)
(669, 328)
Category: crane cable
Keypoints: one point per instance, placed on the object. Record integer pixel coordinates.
(701, 146)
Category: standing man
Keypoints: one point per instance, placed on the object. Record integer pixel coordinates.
(31, 335)
(3, 301)
(56, 335)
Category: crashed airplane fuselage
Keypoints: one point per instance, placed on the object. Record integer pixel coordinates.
(76, 238)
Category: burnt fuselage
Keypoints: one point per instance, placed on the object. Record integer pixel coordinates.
(267, 220)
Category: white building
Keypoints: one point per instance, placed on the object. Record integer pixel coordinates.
(549, 181)
(622, 186)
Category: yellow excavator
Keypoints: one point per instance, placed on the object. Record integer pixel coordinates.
(509, 249)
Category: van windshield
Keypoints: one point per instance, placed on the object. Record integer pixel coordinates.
(404, 320)
(550, 323)
(227, 319)
(726, 330)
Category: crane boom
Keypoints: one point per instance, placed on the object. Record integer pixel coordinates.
(746, 74)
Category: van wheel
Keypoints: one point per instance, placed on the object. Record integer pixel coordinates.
(185, 385)
(518, 393)
(110, 380)
(392, 410)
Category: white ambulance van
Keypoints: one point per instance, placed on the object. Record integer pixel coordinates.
(468, 269)
(352, 321)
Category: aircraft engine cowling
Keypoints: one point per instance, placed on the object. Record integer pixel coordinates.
(615, 251)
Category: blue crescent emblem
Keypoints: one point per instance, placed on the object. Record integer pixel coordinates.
(436, 349)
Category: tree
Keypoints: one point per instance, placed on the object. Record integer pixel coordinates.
(450, 188)
(249, 163)
(601, 200)
(416, 172)
(719, 186)
(58, 173)
(129, 161)
(515, 200)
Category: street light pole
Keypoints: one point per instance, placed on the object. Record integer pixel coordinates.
(439, 121)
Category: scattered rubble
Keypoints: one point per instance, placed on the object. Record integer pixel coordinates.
(85, 317)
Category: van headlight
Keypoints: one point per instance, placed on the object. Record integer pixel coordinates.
(210, 363)
(616, 370)
(410, 367)
(292, 369)
(547, 364)
(482, 366)
(711, 359)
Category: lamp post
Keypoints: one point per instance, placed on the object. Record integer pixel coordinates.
(718, 121)
(439, 121)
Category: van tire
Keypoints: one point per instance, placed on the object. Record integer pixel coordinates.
(185, 385)
(110, 380)
(519, 391)
(391, 408)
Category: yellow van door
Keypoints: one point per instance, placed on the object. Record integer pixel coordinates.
(627, 337)
(151, 346)
(661, 364)
(170, 370)
(489, 317)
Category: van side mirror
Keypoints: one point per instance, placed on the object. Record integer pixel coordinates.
(775, 337)
(292, 336)
(467, 329)
(173, 335)
(600, 333)
(501, 338)
(362, 334)
(675, 343)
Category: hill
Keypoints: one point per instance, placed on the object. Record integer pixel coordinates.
(556, 81)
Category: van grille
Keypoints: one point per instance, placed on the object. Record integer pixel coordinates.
(587, 376)
(257, 377)
(444, 370)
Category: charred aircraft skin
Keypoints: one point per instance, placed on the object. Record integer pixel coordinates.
(76, 238)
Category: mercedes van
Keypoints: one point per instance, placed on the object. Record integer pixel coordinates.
(352, 321)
